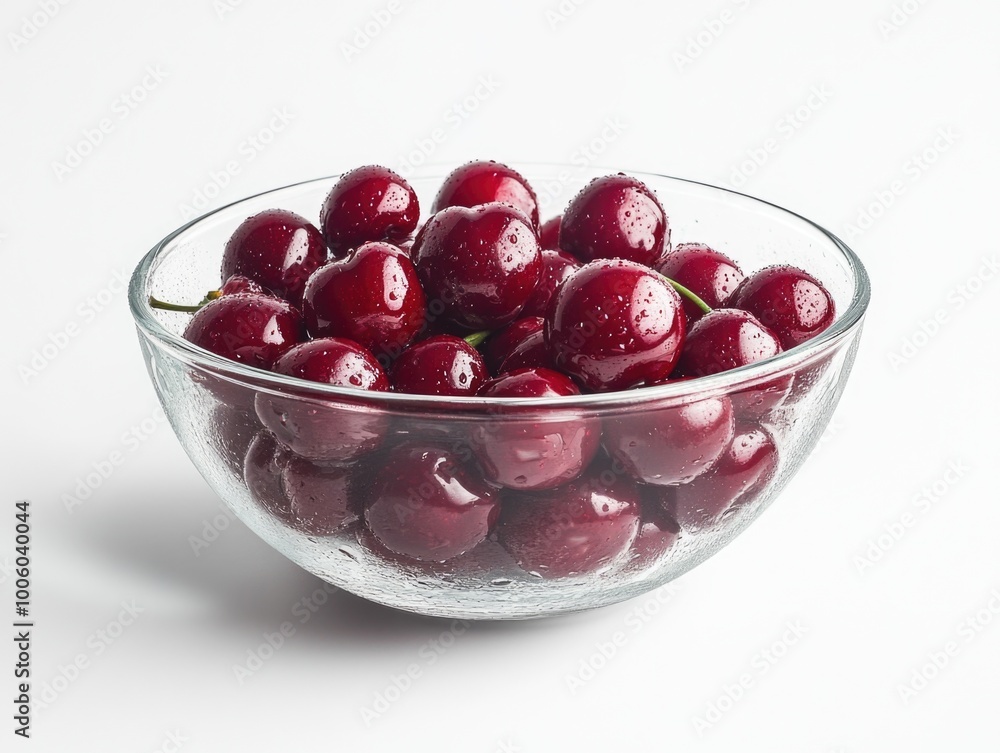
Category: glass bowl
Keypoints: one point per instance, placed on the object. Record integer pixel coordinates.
(649, 507)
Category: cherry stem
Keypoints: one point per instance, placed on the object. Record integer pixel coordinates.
(477, 338)
(156, 303)
(689, 295)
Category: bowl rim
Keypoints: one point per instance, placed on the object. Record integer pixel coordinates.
(723, 382)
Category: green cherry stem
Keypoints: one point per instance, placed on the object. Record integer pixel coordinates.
(477, 338)
(689, 295)
(156, 303)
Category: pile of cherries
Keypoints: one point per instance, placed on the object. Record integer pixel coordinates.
(485, 300)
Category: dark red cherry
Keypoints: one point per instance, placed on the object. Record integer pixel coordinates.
(240, 284)
(276, 249)
(500, 344)
(658, 531)
(615, 324)
(791, 303)
(372, 297)
(533, 448)
(251, 329)
(370, 203)
(615, 217)
(440, 365)
(710, 275)
(478, 266)
(428, 506)
(318, 427)
(233, 428)
(262, 474)
(548, 236)
(670, 444)
(581, 527)
(557, 266)
(530, 353)
(321, 498)
(315, 499)
(726, 339)
(739, 475)
(485, 182)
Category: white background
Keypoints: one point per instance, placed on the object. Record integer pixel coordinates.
(892, 82)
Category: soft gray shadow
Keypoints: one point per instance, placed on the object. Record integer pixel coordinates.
(244, 579)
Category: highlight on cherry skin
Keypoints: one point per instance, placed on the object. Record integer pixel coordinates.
(488, 301)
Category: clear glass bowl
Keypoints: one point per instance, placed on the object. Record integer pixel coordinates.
(529, 566)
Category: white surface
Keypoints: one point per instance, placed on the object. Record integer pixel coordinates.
(555, 83)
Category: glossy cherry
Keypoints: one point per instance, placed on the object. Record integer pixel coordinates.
(478, 266)
(484, 182)
(372, 296)
(707, 273)
(615, 217)
(321, 498)
(791, 303)
(429, 507)
(315, 499)
(277, 249)
(581, 527)
(743, 470)
(615, 324)
(670, 444)
(658, 531)
(548, 236)
(530, 353)
(532, 448)
(726, 339)
(248, 328)
(318, 427)
(440, 365)
(557, 266)
(371, 203)
(500, 344)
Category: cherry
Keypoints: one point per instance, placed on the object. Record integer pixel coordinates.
(500, 344)
(743, 470)
(429, 507)
(372, 297)
(530, 353)
(557, 266)
(615, 324)
(791, 303)
(548, 236)
(321, 499)
(727, 339)
(262, 474)
(485, 182)
(523, 448)
(233, 428)
(248, 328)
(240, 284)
(370, 203)
(478, 266)
(615, 217)
(315, 499)
(658, 531)
(324, 429)
(581, 527)
(710, 275)
(672, 444)
(440, 365)
(277, 249)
